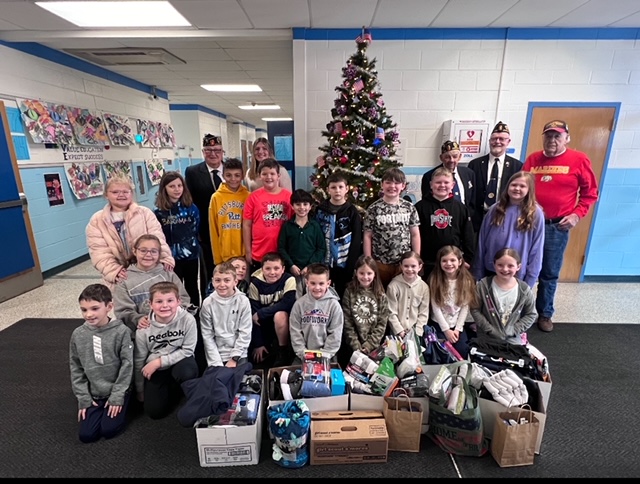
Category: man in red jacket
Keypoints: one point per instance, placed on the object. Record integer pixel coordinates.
(566, 187)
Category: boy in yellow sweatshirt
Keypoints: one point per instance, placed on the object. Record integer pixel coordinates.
(225, 213)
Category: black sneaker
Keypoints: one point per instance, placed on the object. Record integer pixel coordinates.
(545, 324)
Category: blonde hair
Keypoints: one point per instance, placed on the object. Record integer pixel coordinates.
(119, 180)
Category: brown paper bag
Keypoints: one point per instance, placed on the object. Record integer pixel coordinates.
(403, 418)
(515, 445)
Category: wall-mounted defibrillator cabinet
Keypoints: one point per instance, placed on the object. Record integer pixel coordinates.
(471, 135)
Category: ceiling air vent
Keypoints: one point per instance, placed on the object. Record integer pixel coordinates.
(127, 56)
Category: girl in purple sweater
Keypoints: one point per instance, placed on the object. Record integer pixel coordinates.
(515, 221)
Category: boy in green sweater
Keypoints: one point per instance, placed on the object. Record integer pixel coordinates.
(301, 241)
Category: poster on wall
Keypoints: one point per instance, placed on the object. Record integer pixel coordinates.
(54, 189)
(88, 127)
(149, 133)
(85, 179)
(167, 136)
(155, 170)
(119, 130)
(45, 122)
(119, 168)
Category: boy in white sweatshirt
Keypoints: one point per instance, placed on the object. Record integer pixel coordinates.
(225, 320)
(164, 352)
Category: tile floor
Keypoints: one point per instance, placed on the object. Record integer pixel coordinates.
(575, 303)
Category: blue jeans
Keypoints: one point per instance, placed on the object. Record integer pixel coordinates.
(555, 243)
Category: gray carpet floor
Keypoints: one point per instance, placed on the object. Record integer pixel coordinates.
(590, 431)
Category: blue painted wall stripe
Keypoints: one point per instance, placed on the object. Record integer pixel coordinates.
(196, 107)
(68, 60)
(300, 33)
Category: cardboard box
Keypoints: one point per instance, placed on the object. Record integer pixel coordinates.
(233, 446)
(359, 401)
(348, 438)
(490, 408)
(319, 404)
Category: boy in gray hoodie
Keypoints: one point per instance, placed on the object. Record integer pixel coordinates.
(164, 356)
(225, 320)
(316, 318)
(101, 364)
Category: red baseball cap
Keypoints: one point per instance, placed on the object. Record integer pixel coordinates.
(556, 125)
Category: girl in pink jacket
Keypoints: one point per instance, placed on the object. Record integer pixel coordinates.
(112, 232)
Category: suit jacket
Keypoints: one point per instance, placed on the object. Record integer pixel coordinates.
(201, 187)
(480, 167)
(468, 181)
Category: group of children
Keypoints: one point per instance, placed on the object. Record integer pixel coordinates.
(287, 279)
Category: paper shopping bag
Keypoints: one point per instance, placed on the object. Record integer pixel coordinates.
(515, 434)
(403, 418)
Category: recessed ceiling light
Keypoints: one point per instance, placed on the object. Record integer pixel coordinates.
(260, 106)
(277, 119)
(232, 87)
(117, 14)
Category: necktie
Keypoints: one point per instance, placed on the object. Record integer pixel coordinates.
(456, 189)
(215, 178)
(492, 186)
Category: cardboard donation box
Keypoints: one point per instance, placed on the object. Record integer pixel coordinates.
(315, 404)
(348, 438)
(358, 401)
(234, 445)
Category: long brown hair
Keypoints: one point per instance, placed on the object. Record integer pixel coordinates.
(163, 202)
(465, 283)
(527, 207)
(376, 284)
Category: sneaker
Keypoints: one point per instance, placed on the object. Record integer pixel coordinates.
(545, 324)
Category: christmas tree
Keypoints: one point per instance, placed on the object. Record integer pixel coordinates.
(361, 137)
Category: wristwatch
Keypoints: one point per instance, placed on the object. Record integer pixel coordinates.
(235, 358)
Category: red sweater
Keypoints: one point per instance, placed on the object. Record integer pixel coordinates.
(565, 184)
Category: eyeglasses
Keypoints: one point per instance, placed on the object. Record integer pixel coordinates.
(501, 139)
(212, 150)
(148, 251)
(120, 192)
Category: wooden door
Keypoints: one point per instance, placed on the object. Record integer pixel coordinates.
(590, 131)
(19, 265)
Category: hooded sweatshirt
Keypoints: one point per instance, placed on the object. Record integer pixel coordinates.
(342, 228)
(180, 225)
(488, 317)
(444, 222)
(173, 342)
(225, 324)
(101, 362)
(131, 296)
(316, 324)
(225, 222)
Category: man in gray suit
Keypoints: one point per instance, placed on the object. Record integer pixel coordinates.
(492, 172)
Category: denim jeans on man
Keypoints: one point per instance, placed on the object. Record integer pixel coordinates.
(555, 243)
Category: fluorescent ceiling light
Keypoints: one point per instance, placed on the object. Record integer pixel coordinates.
(232, 87)
(260, 106)
(277, 119)
(117, 14)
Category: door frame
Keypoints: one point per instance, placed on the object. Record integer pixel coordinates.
(29, 278)
(525, 140)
